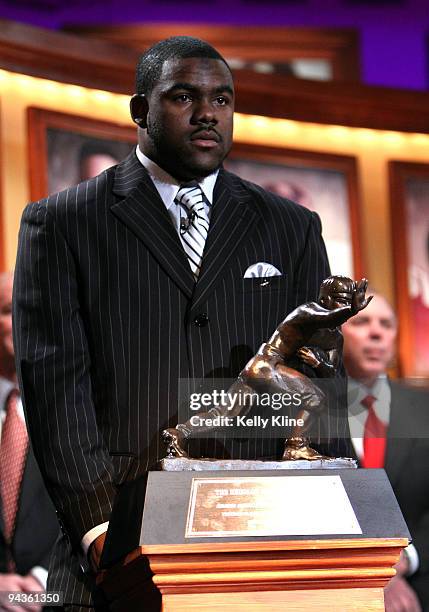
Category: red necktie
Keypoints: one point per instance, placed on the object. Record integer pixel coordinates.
(13, 452)
(374, 437)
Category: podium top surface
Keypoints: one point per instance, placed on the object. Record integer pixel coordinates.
(171, 495)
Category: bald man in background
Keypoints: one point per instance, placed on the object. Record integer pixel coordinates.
(29, 528)
(389, 424)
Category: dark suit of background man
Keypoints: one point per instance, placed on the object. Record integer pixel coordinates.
(108, 314)
(369, 346)
(26, 545)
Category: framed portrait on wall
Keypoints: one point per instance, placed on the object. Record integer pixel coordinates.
(409, 196)
(66, 149)
(324, 183)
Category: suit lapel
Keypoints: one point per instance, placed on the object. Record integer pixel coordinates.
(398, 444)
(143, 212)
(233, 218)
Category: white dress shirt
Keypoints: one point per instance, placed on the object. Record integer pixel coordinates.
(356, 392)
(357, 414)
(167, 187)
(6, 386)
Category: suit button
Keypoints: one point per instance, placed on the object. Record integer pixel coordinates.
(201, 320)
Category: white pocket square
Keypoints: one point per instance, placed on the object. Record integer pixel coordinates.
(261, 269)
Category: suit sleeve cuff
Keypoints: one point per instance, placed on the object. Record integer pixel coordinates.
(40, 574)
(413, 559)
(92, 535)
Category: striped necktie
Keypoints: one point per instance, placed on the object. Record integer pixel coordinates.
(194, 229)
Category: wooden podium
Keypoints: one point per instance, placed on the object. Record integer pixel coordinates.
(265, 573)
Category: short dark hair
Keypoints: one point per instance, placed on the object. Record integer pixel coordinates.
(149, 66)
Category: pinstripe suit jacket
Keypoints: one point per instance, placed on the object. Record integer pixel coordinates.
(104, 311)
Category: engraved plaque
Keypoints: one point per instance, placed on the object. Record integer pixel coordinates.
(252, 506)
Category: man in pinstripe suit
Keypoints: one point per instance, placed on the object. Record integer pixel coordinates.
(108, 315)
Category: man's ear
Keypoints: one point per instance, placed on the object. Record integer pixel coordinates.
(139, 109)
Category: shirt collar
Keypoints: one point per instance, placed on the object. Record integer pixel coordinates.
(168, 186)
(6, 387)
(356, 392)
(377, 389)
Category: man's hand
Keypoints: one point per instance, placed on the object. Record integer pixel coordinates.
(22, 584)
(95, 550)
(398, 595)
(359, 302)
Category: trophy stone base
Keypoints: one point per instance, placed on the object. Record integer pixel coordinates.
(184, 464)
